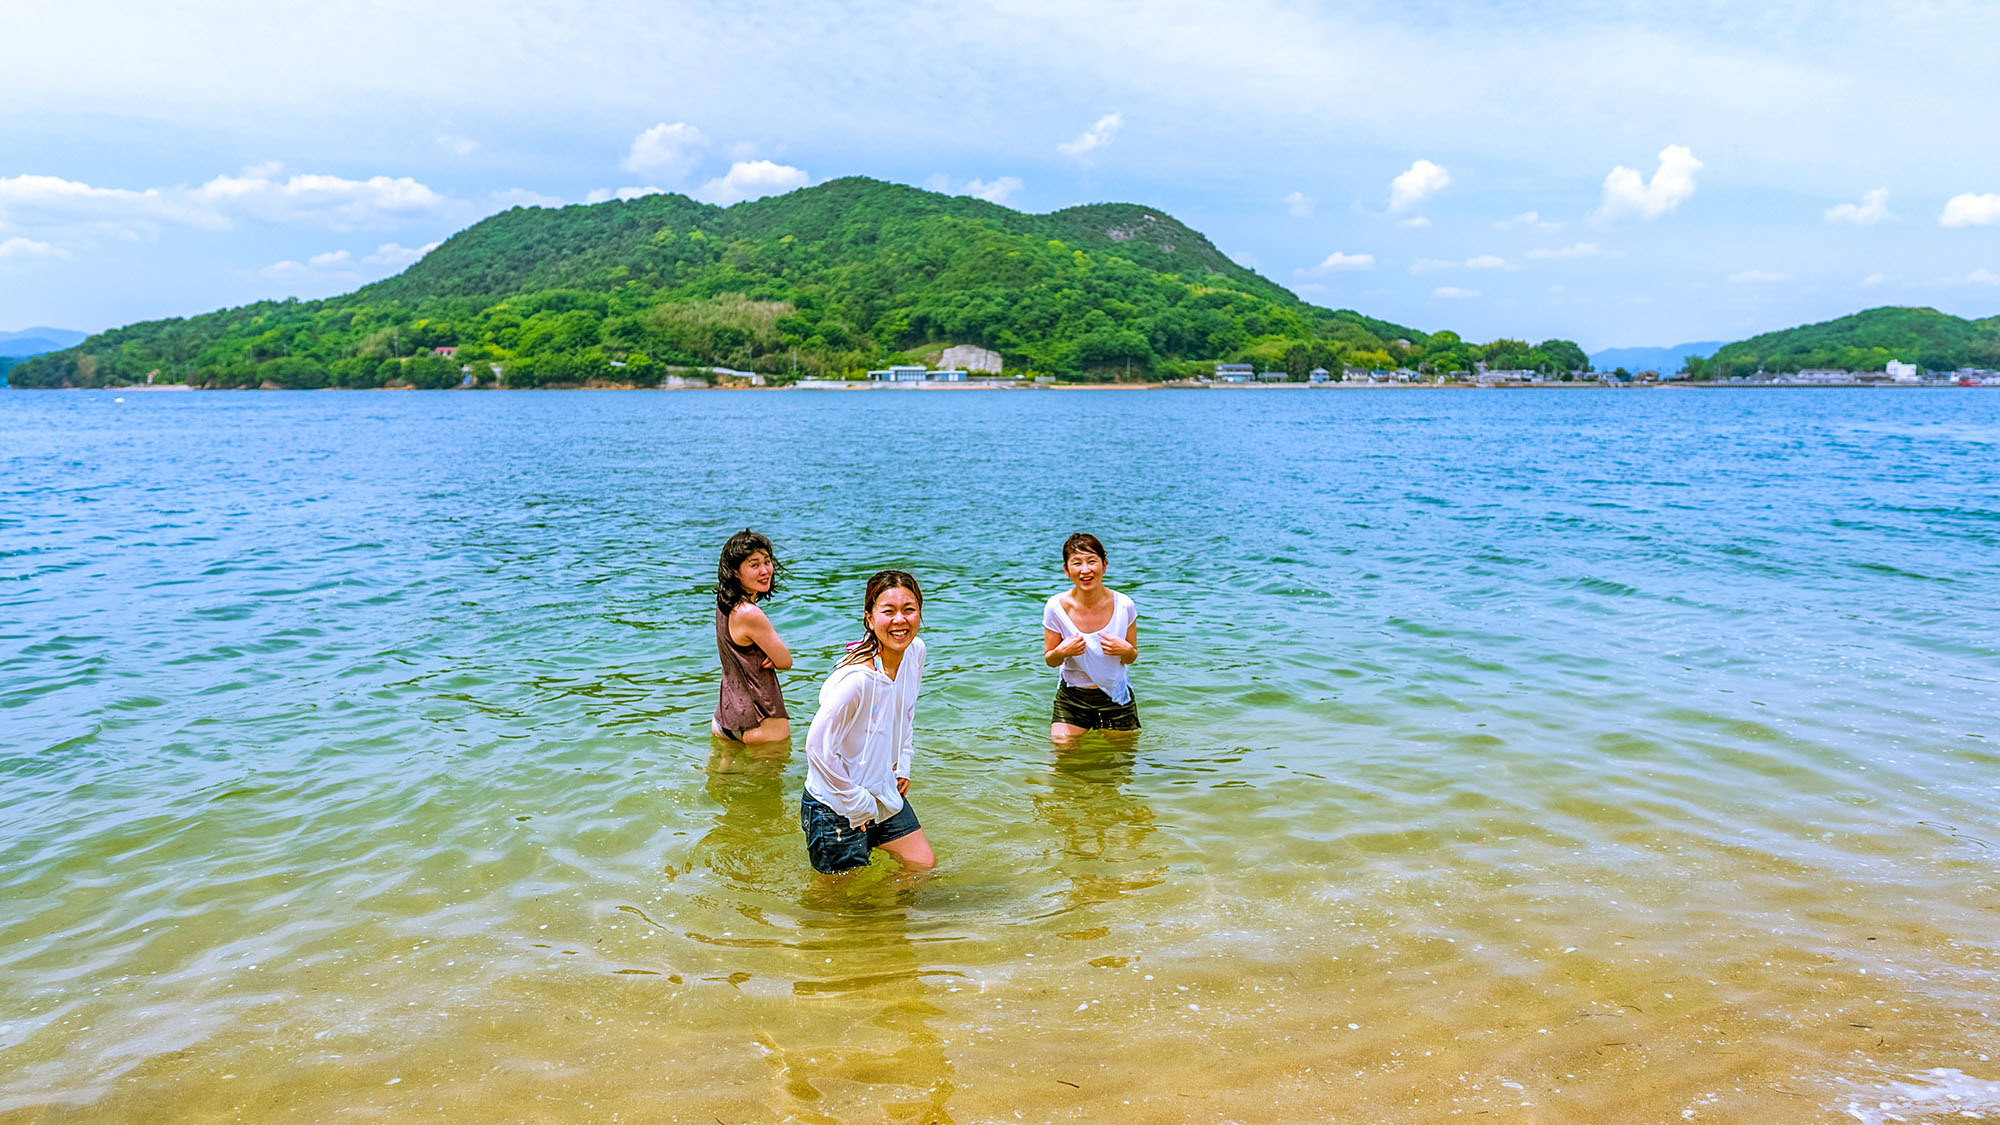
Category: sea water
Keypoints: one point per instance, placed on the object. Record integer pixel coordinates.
(1556, 756)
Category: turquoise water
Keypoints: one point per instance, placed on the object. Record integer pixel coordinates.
(1579, 755)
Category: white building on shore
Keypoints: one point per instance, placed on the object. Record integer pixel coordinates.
(917, 373)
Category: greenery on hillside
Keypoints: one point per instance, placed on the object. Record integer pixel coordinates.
(1865, 341)
(828, 280)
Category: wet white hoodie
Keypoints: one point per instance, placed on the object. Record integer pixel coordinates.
(862, 737)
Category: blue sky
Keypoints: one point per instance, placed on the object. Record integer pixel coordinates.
(1613, 173)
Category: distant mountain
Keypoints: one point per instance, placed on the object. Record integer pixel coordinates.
(832, 279)
(1865, 341)
(35, 341)
(1664, 360)
(835, 278)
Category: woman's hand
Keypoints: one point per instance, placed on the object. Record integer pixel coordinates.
(1068, 648)
(1116, 646)
(902, 786)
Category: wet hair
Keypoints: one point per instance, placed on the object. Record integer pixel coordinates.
(883, 582)
(729, 591)
(1083, 541)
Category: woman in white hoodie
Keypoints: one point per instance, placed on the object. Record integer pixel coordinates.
(858, 748)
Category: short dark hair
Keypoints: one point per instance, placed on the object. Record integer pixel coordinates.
(1083, 541)
(729, 591)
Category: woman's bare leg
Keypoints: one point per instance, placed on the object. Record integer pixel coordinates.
(774, 729)
(913, 850)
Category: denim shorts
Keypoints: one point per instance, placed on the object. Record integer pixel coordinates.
(1091, 708)
(835, 846)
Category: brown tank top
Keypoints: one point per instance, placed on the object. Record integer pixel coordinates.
(750, 691)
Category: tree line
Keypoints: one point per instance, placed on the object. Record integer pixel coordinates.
(826, 281)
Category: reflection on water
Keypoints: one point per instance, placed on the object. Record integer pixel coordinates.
(754, 835)
(1570, 757)
(863, 977)
(1101, 826)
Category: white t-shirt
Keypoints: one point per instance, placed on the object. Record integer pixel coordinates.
(862, 736)
(1091, 667)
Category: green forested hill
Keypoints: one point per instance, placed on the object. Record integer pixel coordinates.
(1932, 340)
(825, 280)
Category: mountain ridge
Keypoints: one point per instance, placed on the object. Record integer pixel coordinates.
(25, 342)
(1863, 341)
(1664, 360)
(826, 280)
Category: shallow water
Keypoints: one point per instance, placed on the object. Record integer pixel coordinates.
(1554, 756)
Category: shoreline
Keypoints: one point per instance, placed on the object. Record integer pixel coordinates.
(1591, 385)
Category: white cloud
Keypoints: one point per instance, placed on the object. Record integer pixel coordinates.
(1969, 210)
(332, 201)
(29, 248)
(1244, 258)
(1414, 222)
(390, 254)
(326, 272)
(1300, 205)
(50, 199)
(1093, 138)
(1453, 292)
(1628, 196)
(338, 269)
(1873, 208)
(668, 151)
(1422, 181)
(257, 193)
(457, 146)
(522, 197)
(1486, 262)
(1982, 276)
(1528, 220)
(1755, 277)
(1431, 265)
(751, 179)
(999, 191)
(1874, 279)
(1339, 260)
(1580, 250)
(605, 194)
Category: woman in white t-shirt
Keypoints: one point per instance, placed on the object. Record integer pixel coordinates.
(859, 745)
(1092, 634)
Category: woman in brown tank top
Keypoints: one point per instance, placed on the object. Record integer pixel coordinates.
(752, 708)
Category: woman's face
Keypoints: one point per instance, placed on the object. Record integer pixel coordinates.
(1084, 568)
(754, 573)
(894, 618)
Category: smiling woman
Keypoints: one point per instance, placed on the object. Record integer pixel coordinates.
(752, 707)
(858, 750)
